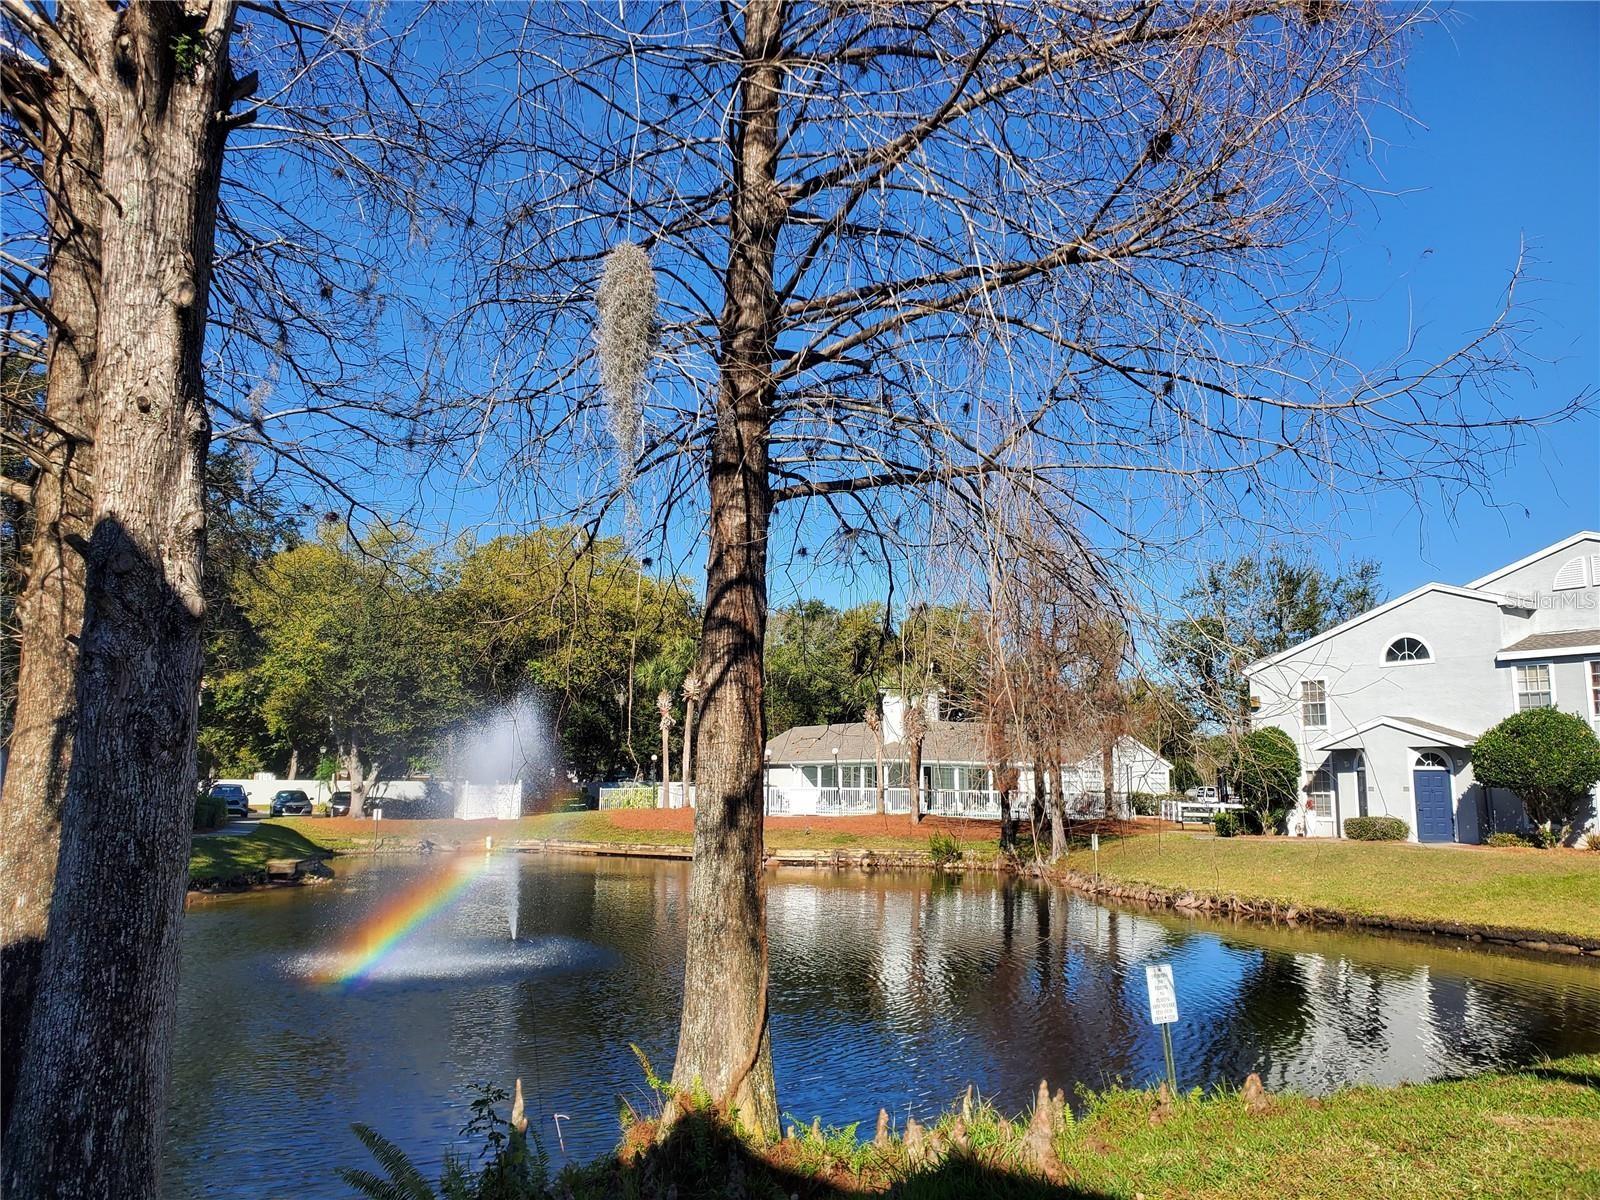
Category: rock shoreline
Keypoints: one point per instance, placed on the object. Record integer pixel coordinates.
(1211, 904)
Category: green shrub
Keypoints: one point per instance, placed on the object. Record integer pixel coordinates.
(1549, 758)
(1376, 829)
(1266, 775)
(1225, 823)
(1507, 839)
(210, 811)
(944, 849)
(644, 796)
(1145, 804)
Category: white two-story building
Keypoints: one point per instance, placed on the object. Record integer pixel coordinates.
(1385, 707)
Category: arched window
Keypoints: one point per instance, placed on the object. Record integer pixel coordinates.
(1430, 759)
(1405, 650)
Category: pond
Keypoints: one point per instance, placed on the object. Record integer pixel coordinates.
(382, 997)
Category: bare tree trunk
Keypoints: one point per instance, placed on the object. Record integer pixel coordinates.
(724, 1042)
(294, 762)
(90, 1101)
(875, 727)
(1040, 776)
(50, 608)
(350, 752)
(692, 690)
(1108, 775)
(1058, 807)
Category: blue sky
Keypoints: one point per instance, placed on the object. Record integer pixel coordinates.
(1505, 149)
(1499, 153)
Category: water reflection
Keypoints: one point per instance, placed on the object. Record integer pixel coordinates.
(888, 989)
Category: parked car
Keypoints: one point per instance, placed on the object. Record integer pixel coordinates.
(1208, 794)
(234, 796)
(340, 805)
(291, 803)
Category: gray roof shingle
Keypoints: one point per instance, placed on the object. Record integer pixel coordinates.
(1563, 639)
(946, 741)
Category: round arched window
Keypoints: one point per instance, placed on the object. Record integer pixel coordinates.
(1406, 649)
(1432, 760)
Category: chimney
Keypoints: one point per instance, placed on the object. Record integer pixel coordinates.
(894, 713)
(894, 717)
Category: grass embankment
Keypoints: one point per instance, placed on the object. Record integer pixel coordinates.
(1529, 1133)
(647, 827)
(220, 859)
(1549, 891)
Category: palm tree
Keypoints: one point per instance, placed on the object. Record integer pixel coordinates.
(693, 688)
(916, 728)
(664, 707)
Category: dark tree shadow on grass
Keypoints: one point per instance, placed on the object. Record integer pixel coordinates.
(701, 1159)
(1565, 1073)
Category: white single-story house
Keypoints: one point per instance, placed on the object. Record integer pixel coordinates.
(833, 768)
(1385, 708)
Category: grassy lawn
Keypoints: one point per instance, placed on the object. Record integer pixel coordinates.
(1529, 1134)
(631, 828)
(1555, 891)
(215, 859)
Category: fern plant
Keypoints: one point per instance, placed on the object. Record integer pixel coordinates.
(515, 1163)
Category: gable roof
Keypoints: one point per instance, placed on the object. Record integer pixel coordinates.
(1556, 548)
(1441, 735)
(1446, 589)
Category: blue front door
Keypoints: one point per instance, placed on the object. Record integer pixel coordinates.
(1432, 789)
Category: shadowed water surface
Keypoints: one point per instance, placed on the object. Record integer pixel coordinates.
(889, 989)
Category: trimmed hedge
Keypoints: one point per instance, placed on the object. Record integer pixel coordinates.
(1376, 829)
(1225, 823)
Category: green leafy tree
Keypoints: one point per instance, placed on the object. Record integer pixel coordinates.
(581, 624)
(824, 665)
(1549, 758)
(1266, 775)
(356, 642)
(1240, 611)
(943, 647)
(246, 524)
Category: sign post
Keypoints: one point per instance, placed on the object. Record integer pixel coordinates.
(1094, 844)
(1163, 1012)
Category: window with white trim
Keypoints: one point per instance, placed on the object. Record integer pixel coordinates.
(1314, 703)
(1319, 792)
(1594, 688)
(1406, 650)
(1533, 686)
(1432, 760)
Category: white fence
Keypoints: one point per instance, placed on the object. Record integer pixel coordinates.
(1182, 809)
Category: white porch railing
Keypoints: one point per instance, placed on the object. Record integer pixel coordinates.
(949, 802)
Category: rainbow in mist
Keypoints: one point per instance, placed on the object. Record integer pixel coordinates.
(400, 915)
